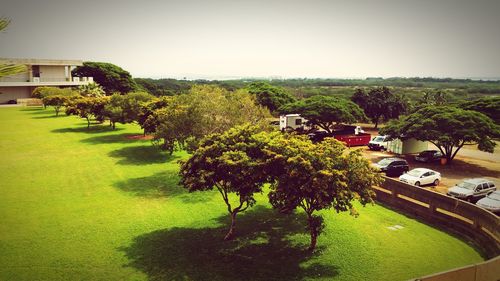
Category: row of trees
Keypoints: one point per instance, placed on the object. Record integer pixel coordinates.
(301, 175)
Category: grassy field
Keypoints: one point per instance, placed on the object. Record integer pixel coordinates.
(96, 204)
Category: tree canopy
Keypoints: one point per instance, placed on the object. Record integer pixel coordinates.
(272, 97)
(204, 110)
(489, 106)
(231, 163)
(112, 78)
(87, 107)
(318, 176)
(326, 112)
(380, 103)
(447, 127)
(125, 108)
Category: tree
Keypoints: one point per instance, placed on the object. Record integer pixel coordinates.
(56, 101)
(315, 177)
(447, 127)
(204, 110)
(489, 106)
(230, 162)
(125, 108)
(91, 90)
(148, 117)
(270, 96)
(326, 112)
(87, 107)
(44, 93)
(7, 69)
(380, 103)
(112, 78)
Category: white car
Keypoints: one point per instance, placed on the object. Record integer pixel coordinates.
(491, 202)
(421, 176)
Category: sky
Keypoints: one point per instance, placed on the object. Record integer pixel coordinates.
(258, 38)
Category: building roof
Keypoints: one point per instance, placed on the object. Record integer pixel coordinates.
(40, 61)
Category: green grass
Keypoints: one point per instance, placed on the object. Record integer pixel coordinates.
(80, 204)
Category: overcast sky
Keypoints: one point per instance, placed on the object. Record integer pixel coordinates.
(447, 38)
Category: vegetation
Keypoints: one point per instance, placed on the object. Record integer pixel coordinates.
(107, 206)
(232, 163)
(112, 78)
(269, 96)
(380, 103)
(203, 111)
(326, 112)
(91, 90)
(125, 108)
(88, 108)
(9, 69)
(489, 106)
(147, 116)
(447, 127)
(56, 101)
(315, 177)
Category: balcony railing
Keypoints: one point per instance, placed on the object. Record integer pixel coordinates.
(36, 80)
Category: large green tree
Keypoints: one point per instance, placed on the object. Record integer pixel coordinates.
(87, 108)
(56, 101)
(489, 106)
(270, 96)
(314, 177)
(148, 117)
(326, 112)
(447, 127)
(112, 78)
(380, 103)
(204, 110)
(125, 108)
(233, 164)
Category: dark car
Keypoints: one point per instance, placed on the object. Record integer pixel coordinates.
(428, 156)
(393, 167)
(318, 136)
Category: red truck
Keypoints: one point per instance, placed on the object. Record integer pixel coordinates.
(350, 135)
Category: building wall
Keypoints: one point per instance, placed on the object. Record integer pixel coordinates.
(20, 77)
(14, 93)
(407, 146)
(51, 73)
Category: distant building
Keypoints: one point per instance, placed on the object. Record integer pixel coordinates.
(40, 72)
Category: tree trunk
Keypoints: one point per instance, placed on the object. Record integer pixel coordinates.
(376, 122)
(230, 233)
(57, 111)
(114, 125)
(88, 123)
(313, 233)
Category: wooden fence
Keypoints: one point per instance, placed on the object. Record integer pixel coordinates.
(464, 219)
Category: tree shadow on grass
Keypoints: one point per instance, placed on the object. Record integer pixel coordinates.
(141, 155)
(261, 251)
(96, 129)
(120, 138)
(48, 116)
(164, 184)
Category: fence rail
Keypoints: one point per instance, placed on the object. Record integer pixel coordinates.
(459, 217)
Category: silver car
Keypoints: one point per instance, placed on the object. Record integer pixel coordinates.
(472, 189)
(491, 202)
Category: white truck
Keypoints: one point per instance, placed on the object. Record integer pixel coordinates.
(292, 122)
(379, 143)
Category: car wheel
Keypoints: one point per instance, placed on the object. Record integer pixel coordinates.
(469, 199)
(382, 148)
(436, 182)
(417, 183)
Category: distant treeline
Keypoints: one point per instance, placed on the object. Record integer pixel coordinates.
(307, 87)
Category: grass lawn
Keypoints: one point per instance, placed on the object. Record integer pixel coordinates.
(78, 204)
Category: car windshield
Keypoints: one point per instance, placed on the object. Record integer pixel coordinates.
(415, 172)
(379, 139)
(466, 185)
(384, 162)
(495, 196)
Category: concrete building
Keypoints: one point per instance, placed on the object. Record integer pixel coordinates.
(40, 72)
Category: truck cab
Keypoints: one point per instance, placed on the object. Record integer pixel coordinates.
(379, 143)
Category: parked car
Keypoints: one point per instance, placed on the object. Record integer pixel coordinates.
(392, 166)
(472, 189)
(491, 202)
(421, 176)
(428, 156)
(378, 143)
(318, 136)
